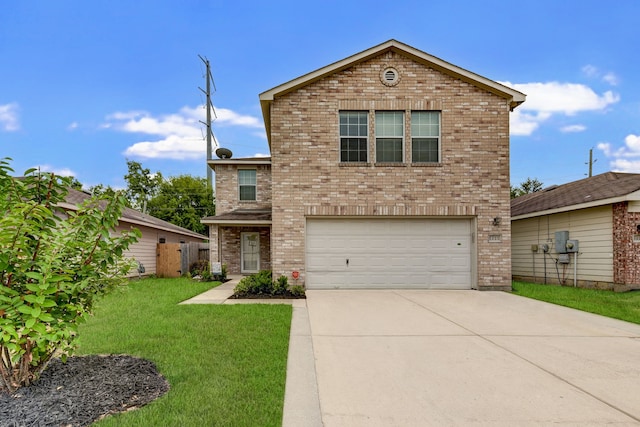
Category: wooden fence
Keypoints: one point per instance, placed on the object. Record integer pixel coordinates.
(174, 259)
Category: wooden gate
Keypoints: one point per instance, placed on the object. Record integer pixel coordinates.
(168, 260)
(174, 259)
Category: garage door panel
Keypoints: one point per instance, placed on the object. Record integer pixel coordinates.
(387, 253)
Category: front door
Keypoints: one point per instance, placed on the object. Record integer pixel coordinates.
(250, 252)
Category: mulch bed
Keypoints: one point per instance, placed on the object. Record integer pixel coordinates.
(83, 390)
(266, 296)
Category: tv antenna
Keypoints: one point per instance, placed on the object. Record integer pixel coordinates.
(210, 112)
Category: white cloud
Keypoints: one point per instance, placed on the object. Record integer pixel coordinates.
(171, 147)
(590, 70)
(522, 123)
(609, 77)
(57, 171)
(546, 99)
(9, 117)
(625, 158)
(573, 128)
(181, 135)
(566, 98)
(261, 155)
(73, 126)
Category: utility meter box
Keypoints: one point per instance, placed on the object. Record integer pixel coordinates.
(572, 246)
(564, 259)
(561, 241)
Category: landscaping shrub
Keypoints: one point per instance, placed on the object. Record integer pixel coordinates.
(262, 284)
(198, 267)
(201, 268)
(53, 267)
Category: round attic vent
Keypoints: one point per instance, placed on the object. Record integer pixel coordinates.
(390, 76)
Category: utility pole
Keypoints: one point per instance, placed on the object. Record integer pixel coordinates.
(209, 107)
(591, 162)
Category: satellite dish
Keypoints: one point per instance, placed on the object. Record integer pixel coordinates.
(224, 153)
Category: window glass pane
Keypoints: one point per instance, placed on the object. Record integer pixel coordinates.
(247, 192)
(353, 150)
(353, 123)
(425, 123)
(389, 150)
(389, 123)
(247, 177)
(425, 150)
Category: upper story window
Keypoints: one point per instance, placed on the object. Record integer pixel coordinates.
(425, 136)
(247, 184)
(389, 136)
(354, 130)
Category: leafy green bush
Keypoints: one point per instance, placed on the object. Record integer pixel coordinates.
(53, 267)
(262, 284)
(198, 267)
(297, 291)
(202, 268)
(280, 286)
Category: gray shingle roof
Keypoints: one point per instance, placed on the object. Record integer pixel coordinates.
(76, 197)
(608, 185)
(254, 215)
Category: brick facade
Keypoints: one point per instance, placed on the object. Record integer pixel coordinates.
(626, 252)
(225, 240)
(471, 181)
(227, 198)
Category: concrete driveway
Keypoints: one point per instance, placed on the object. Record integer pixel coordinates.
(440, 358)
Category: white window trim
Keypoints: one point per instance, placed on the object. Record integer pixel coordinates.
(247, 185)
(439, 136)
(367, 139)
(403, 137)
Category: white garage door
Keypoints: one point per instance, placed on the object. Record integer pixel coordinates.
(388, 253)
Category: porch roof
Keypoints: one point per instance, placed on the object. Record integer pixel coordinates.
(240, 217)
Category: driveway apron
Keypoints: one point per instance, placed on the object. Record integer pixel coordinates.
(440, 358)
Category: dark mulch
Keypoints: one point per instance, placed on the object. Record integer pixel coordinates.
(81, 391)
(267, 296)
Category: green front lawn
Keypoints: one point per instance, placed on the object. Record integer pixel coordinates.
(623, 306)
(226, 364)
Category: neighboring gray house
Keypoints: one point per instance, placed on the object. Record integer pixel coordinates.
(601, 213)
(153, 231)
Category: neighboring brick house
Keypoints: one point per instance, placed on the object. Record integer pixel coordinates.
(602, 213)
(389, 168)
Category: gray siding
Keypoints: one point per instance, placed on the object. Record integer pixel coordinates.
(144, 250)
(593, 228)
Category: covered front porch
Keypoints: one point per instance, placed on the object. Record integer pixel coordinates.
(241, 239)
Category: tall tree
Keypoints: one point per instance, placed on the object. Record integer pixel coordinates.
(183, 200)
(526, 187)
(142, 185)
(108, 192)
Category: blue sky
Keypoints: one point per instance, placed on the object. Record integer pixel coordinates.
(84, 86)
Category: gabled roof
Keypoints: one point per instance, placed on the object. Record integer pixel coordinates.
(603, 189)
(132, 216)
(515, 98)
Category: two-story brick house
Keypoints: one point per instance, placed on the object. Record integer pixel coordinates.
(389, 168)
